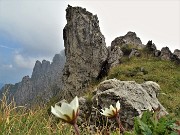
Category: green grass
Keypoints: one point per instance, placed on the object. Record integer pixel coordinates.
(165, 73)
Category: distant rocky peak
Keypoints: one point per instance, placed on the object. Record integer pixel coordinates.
(58, 58)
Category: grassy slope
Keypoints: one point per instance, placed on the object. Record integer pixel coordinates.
(165, 73)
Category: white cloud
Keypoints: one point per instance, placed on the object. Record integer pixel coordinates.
(6, 47)
(27, 62)
(9, 66)
(36, 25)
(22, 62)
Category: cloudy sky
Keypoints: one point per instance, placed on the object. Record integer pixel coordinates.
(31, 30)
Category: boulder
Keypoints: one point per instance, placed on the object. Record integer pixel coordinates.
(134, 99)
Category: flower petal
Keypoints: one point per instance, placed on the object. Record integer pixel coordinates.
(107, 112)
(75, 104)
(57, 113)
(66, 109)
(112, 108)
(53, 110)
(118, 106)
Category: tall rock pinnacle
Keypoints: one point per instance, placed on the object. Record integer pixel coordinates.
(85, 50)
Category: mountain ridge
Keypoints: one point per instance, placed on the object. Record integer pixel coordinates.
(41, 86)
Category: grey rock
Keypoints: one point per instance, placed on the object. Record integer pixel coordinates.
(166, 54)
(157, 53)
(114, 56)
(151, 48)
(134, 99)
(177, 53)
(129, 38)
(135, 53)
(85, 51)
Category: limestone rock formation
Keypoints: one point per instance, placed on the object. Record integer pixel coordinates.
(45, 82)
(114, 56)
(165, 54)
(85, 51)
(177, 53)
(130, 38)
(151, 48)
(134, 99)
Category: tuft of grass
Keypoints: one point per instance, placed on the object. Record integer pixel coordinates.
(165, 73)
(18, 120)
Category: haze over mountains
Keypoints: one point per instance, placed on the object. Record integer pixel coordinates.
(1, 85)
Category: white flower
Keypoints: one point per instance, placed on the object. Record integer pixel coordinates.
(112, 111)
(67, 112)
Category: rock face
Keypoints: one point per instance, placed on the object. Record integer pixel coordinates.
(129, 38)
(134, 99)
(165, 54)
(85, 51)
(45, 82)
(151, 48)
(114, 56)
(177, 53)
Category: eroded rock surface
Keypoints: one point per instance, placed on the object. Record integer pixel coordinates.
(130, 38)
(165, 54)
(177, 53)
(85, 51)
(134, 99)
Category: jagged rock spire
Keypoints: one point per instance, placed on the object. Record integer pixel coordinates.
(85, 50)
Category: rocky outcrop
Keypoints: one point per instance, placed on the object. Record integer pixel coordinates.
(85, 51)
(130, 38)
(45, 82)
(177, 53)
(134, 99)
(165, 54)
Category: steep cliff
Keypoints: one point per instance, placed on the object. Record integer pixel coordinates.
(44, 83)
(85, 51)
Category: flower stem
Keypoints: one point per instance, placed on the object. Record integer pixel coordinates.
(119, 123)
(76, 129)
